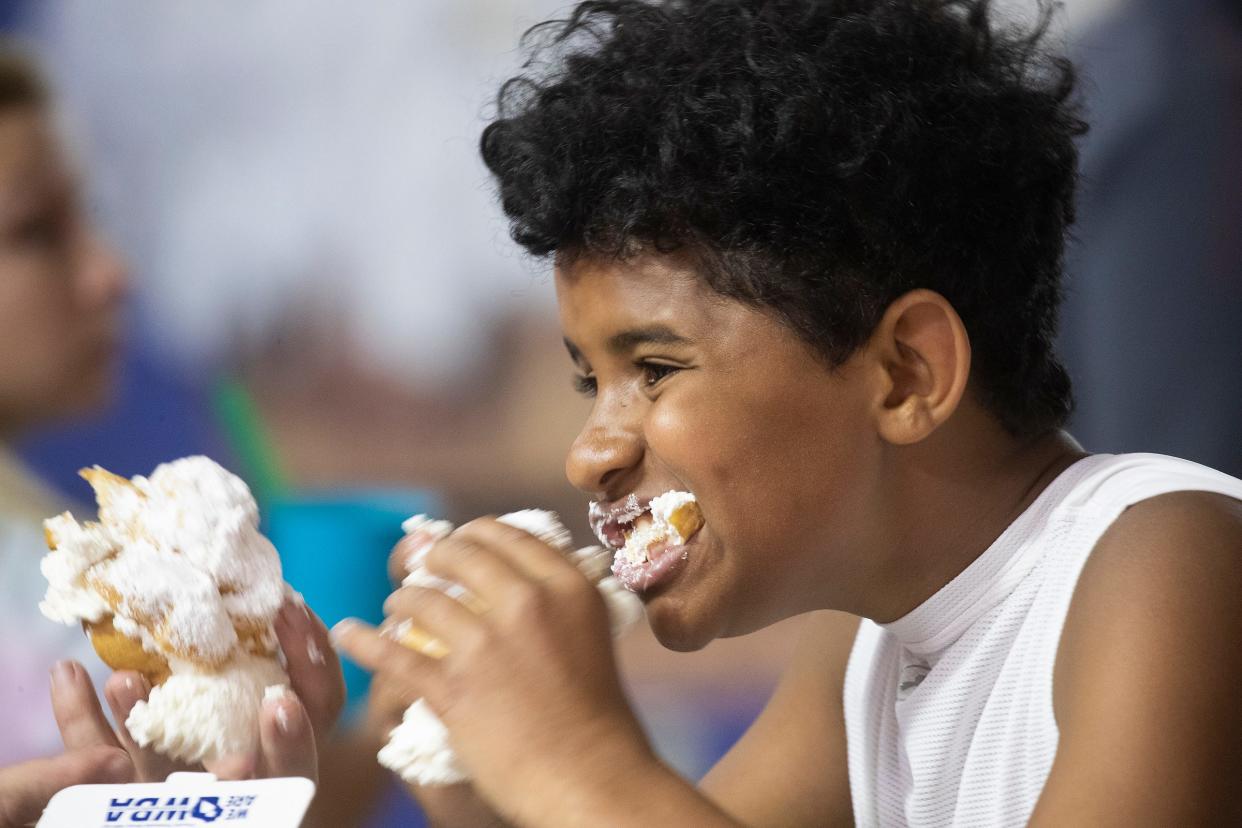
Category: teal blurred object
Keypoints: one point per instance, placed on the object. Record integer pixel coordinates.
(334, 547)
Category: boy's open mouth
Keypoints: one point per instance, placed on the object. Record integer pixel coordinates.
(646, 535)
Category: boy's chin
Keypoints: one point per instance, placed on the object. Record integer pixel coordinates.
(679, 629)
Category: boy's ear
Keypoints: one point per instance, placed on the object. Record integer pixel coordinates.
(922, 356)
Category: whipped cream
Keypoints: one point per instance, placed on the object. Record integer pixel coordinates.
(428, 533)
(542, 524)
(194, 621)
(418, 749)
(200, 716)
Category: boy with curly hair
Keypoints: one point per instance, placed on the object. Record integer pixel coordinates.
(808, 259)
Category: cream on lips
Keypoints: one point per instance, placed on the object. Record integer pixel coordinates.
(649, 540)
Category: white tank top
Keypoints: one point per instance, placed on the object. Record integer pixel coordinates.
(948, 709)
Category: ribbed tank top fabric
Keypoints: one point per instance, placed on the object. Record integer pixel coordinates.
(948, 709)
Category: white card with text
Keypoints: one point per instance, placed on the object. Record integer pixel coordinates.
(185, 800)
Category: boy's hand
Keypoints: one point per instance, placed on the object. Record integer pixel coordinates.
(445, 806)
(529, 690)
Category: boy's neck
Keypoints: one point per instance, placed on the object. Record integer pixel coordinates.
(953, 497)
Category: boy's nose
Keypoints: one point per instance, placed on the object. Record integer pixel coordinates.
(601, 456)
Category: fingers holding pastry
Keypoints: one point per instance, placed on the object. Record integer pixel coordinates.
(416, 675)
(387, 701)
(312, 664)
(421, 533)
(234, 767)
(399, 564)
(535, 551)
(483, 615)
(286, 737)
(525, 579)
(123, 690)
(437, 624)
(502, 567)
(78, 714)
(177, 583)
(407, 555)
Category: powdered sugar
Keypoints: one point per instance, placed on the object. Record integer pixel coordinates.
(69, 599)
(178, 555)
(196, 508)
(173, 599)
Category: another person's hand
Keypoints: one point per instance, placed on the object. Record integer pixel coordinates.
(288, 726)
(291, 728)
(25, 789)
(529, 690)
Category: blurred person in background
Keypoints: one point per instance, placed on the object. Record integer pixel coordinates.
(62, 288)
(61, 293)
(320, 228)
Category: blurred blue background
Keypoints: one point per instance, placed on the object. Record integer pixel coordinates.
(334, 550)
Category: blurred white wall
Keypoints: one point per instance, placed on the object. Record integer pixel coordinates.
(267, 162)
(276, 163)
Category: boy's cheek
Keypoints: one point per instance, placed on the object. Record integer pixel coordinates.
(675, 434)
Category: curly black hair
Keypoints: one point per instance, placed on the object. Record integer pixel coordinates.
(817, 158)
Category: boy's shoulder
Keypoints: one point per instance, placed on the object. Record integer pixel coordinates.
(1149, 665)
(1161, 552)
(1112, 481)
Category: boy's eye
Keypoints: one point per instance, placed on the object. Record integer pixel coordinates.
(653, 372)
(584, 384)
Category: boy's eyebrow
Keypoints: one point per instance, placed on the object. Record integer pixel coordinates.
(625, 341)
